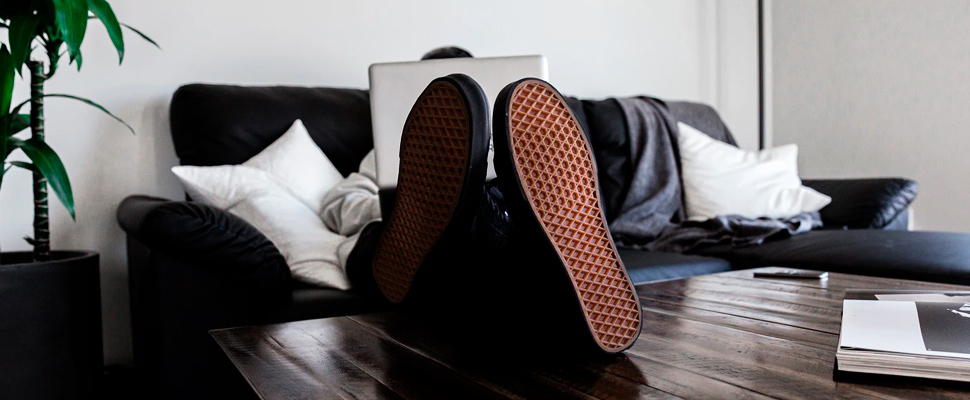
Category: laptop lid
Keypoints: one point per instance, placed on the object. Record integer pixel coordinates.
(394, 87)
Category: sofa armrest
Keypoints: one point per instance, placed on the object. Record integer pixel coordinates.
(174, 304)
(207, 238)
(875, 203)
(192, 268)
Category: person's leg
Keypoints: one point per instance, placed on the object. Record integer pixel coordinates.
(444, 148)
(564, 253)
(492, 225)
(360, 261)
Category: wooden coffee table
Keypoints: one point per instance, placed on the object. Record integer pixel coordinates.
(726, 335)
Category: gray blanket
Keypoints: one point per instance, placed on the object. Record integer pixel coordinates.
(652, 213)
(654, 201)
(735, 230)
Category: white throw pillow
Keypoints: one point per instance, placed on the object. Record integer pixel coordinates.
(271, 191)
(300, 164)
(720, 179)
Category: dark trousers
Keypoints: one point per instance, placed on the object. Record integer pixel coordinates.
(482, 245)
(496, 282)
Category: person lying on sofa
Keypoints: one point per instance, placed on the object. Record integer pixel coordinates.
(445, 210)
(446, 213)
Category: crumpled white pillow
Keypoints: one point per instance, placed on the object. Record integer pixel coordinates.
(279, 191)
(720, 179)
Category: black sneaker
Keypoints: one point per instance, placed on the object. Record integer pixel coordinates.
(549, 181)
(444, 150)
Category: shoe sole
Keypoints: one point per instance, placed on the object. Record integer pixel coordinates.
(556, 172)
(441, 161)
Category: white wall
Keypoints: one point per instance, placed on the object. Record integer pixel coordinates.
(878, 88)
(736, 67)
(595, 49)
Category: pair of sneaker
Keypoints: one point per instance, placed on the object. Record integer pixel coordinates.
(547, 176)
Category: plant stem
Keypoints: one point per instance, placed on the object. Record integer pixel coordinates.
(42, 233)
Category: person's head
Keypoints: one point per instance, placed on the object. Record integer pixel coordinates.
(446, 52)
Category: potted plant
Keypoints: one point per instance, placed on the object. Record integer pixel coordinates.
(50, 301)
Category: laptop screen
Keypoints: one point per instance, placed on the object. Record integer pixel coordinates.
(394, 87)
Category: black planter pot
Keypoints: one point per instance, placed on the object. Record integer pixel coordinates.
(50, 326)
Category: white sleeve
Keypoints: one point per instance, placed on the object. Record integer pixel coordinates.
(353, 203)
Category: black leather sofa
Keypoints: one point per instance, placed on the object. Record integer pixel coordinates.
(193, 268)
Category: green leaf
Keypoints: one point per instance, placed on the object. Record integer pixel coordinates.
(10, 146)
(53, 49)
(71, 17)
(6, 94)
(17, 108)
(143, 36)
(3, 150)
(6, 80)
(81, 99)
(22, 29)
(50, 166)
(5, 169)
(103, 11)
(25, 165)
(20, 122)
(95, 105)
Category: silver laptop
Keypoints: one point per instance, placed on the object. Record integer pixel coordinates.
(394, 87)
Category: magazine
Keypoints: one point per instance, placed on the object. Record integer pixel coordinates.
(912, 333)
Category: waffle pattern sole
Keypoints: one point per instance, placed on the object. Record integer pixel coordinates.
(556, 169)
(434, 158)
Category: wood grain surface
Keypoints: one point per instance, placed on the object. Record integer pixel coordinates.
(726, 335)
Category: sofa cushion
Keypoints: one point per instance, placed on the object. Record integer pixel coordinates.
(221, 124)
(299, 164)
(311, 249)
(925, 256)
(281, 191)
(646, 266)
(720, 179)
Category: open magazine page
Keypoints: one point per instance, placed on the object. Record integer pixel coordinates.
(908, 295)
(931, 324)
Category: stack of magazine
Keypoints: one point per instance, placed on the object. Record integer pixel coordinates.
(924, 334)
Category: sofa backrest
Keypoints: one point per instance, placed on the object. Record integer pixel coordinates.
(221, 124)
